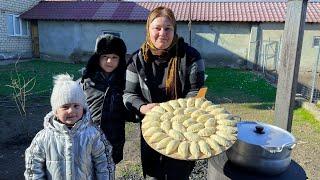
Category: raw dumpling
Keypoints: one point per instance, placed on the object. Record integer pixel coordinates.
(164, 142)
(205, 104)
(214, 145)
(206, 132)
(189, 122)
(183, 149)
(217, 111)
(204, 117)
(149, 124)
(166, 106)
(223, 116)
(192, 136)
(174, 104)
(166, 116)
(227, 122)
(180, 118)
(190, 102)
(178, 111)
(158, 109)
(227, 136)
(172, 146)
(190, 110)
(195, 149)
(220, 140)
(153, 114)
(198, 102)
(156, 137)
(182, 102)
(210, 123)
(212, 107)
(197, 113)
(150, 131)
(204, 148)
(195, 127)
(166, 125)
(178, 126)
(176, 134)
(227, 129)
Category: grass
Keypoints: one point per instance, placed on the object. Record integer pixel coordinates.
(302, 116)
(43, 71)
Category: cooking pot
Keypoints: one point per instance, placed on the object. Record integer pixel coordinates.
(262, 148)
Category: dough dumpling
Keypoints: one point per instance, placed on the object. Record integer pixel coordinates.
(183, 149)
(150, 131)
(195, 149)
(178, 126)
(214, 145)
(166, 116)
(189, 122)
(180, 118)
(158, 109)
(204, 148)
(166, 125)
(227, 129)
(198, 102)
(210, 122)
(204, 117)
(206, 132)
(192, 136)
(218, 111)
(227, 122)
(174, 104)
(166, 106)
(212, 107)
(172, 146)
(190, 102)
(182, 102)
(156, 137)
(148, 124)
(227, 136)
(176, 134)
(205, 104)
(190, 110)
(223, 116)
(195, 127)
(197, 113)
(220, 140)
(153, 114)
(164, 142)
(178, 111)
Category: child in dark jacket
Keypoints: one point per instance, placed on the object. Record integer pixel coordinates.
(103, 83)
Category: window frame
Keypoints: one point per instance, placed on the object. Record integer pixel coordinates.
(313, 41)
(15, 34)
(112, 33)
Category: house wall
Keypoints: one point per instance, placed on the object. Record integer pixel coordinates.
(14, 46)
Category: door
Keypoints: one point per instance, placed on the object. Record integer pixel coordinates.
(35, 39)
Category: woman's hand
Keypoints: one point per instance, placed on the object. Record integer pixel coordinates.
(147, 107)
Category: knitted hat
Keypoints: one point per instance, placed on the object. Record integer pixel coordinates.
(109, 44)
(66, 91)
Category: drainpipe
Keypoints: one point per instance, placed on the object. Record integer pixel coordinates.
(189, 24)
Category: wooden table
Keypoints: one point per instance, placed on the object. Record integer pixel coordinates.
(220, 168)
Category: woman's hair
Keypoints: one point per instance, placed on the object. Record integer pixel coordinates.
(160, 12)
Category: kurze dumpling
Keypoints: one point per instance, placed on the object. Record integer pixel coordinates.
(182, 102)
(178, 111)
(190, 102)
(204, 117)
(212, 107)
(174, 104)
(227, 136)
(210, 123)
(223, 116)
(227, 122)
(204, 148)
(166, 125)
(149, 124)
(176, 134)
(172, 146)
(166, 116)
(197, 113)
(183, 149)
(150, 131)
(158, 109)
(220, 140)
(198, 102)
(206, 132)
(195, 149)
(153, 115)
(218, 111)
(214, 145)
(178, 126)
(192, 136)
(189, 122)
(166, 106)
(205, 104)
(227, 129)
(180, 118)
(190, 110)
(195, 127)
(164, 142)
(156, 137)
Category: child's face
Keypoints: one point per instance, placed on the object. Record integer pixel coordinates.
(109, 62)
(69, 113)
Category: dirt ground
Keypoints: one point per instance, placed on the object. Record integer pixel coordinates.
(12, 145)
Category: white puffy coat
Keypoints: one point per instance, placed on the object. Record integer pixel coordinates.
(58, 152)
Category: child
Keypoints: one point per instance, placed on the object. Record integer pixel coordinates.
(103, 83)
(69, 146)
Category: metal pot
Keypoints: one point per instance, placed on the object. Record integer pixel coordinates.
(262, 148)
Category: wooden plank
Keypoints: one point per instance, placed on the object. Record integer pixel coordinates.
(289, 62)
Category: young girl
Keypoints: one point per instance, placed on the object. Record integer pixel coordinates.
(103, 83)
(69, 146)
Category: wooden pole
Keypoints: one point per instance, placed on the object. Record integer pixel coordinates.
(289, 62)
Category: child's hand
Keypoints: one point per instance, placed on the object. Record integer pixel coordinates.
(147, 107)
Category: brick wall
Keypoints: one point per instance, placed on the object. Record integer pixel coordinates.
(14, 46)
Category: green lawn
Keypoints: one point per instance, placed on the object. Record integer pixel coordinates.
(41, 70)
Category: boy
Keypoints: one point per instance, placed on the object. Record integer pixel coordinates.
(69, 146)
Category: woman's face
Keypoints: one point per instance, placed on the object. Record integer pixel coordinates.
(109, 62)
(161, 31)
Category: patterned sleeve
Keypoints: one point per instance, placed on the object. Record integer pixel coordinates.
(35, 160)
(102, 157)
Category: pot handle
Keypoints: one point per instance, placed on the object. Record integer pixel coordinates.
(290, 146)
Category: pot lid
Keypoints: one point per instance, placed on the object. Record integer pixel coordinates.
(267, 136)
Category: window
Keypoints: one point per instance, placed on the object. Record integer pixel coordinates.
(316, 41)
(117, 34)
(17, 26)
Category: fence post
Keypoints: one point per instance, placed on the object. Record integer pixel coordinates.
(314, 75)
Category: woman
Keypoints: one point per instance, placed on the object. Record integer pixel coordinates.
(164, 68)
(103, 83)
